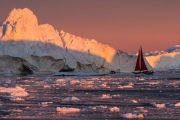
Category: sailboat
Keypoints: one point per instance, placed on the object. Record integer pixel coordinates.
(140, 64)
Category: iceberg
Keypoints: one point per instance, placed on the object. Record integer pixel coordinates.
(29, 48)
(26, 47)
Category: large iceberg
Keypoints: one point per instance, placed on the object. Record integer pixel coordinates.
(26, 47)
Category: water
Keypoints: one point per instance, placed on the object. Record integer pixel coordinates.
(38, 97)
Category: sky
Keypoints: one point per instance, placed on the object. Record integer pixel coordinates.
(122, 24)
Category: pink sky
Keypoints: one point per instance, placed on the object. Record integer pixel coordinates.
(122, 24)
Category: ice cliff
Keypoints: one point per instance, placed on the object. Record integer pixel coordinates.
(26, 47)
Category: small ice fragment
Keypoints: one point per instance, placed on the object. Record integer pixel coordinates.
(72, 82)
(127, 86)
(67, 110)
(106, 96)
(71, 99)
(140, 116)
(17, 110)
(45, 104)
(102, 107)
(129, 115)
(47, 86)
(18, 92)
(114, 109)
(19, 99)
(177, 104)
(141, 79)
(160, 106)
(134, 101)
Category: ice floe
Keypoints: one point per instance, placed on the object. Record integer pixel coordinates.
(14, 92)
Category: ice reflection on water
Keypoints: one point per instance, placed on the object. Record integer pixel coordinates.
(155, 96)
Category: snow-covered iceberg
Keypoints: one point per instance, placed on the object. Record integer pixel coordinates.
(165, 60)
(26, 47)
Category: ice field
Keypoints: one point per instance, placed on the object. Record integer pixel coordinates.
(95, 97)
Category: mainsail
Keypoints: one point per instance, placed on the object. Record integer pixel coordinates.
(140, 63)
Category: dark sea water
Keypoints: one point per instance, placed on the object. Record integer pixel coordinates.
(91, 98)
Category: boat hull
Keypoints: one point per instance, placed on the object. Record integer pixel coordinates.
(144, 72)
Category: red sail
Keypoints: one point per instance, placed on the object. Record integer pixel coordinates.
(138, 68)
(143, 65)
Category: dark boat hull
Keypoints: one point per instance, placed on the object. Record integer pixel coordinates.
(144, 72)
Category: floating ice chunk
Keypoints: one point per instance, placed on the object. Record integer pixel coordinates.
(71, 99)
(160, 106)
(106, 96)
(61, 82)
(47, 86)
(101, 107)
(18, 92)
(131, 84)
(125, 86)
(177, 104)
(87, 84)
(67, 110)
(45, 104)
(72, 82)
(116, 95)
(134, 101)
(114, 109)
(153, 83)
(104, 85)
(130, 116)
(141, 78)
(92, 108)
(15, 93)
(17, 110)
(19, 99)
(141, 109)
(140, 116)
